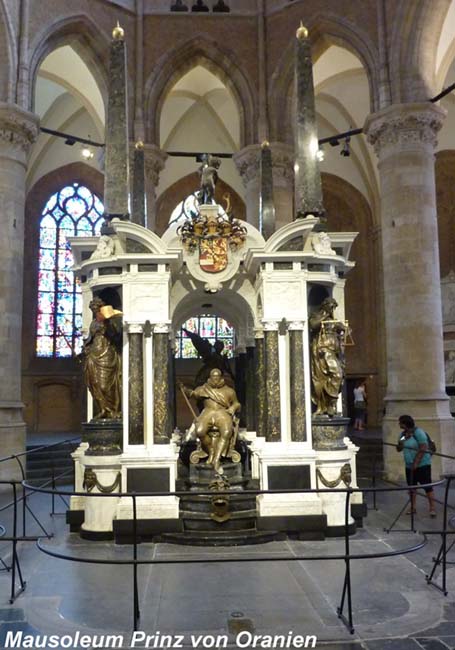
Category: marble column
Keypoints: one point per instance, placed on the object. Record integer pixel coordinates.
(267, 207)
(272, 382)
(138, 203)
(161, 431)
(297, 383)
(135, 384)
(240, 381)
(404, 137)
(116, 174)
(248, 161)
(155, 160)
(259, 377)
(250, 389)
(18, 130)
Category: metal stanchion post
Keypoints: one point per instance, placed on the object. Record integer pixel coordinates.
(441, 557)
(137, 613)
(347, 576)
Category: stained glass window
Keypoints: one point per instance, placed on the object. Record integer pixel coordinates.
(211, 328)
(73, 211)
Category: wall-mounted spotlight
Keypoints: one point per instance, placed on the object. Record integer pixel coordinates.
(346, 150)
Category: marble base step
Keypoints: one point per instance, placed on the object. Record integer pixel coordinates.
(226, 538)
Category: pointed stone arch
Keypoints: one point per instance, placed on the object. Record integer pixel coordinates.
(414, 43)
(324, 31)
(8, 56)
(222, 63)
(87, 41)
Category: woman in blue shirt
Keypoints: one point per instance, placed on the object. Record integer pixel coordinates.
(414, 444)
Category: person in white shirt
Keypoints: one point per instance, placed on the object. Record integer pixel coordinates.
(360, 405)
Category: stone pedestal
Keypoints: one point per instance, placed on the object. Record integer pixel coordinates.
(18, 130)
(102, 475)
(404, 137)
(329, 432)
(104, 437)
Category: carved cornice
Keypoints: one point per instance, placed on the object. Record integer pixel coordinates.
(18, 128)
(404, 124)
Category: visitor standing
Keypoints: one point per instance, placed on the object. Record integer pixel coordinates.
(414, 444)
(360, 405)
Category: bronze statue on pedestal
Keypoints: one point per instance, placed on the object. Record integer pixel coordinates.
(327, 341)
(102, 359)
(217, 425)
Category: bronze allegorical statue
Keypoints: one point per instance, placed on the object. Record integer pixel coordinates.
(216, 425)
(208, 172)
(327, 340)
(102, 359)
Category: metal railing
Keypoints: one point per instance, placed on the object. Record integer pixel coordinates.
(344, 610)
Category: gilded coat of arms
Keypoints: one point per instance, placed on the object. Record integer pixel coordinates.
(213, 236)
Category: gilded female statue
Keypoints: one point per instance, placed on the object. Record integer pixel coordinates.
(327, 357)
(102, 360)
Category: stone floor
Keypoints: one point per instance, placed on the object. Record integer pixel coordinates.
(259, 590)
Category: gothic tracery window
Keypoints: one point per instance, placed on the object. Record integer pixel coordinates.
(212, 328)
(72, 211)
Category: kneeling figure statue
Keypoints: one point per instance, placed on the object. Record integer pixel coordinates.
(216, 426)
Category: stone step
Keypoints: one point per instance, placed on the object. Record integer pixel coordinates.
(200, 516)
(215, 538)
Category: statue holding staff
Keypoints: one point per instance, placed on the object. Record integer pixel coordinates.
(217, 425)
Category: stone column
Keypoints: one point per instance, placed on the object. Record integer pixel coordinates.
(272, 382)
(138, 202)
(155, 160)
(18, 130)
(404, 137)
(297, 385)
(283, 183)
(161, 430)
(248, 161)
(135, 384)
(240, 381)
(259, 377)
(250, 389)
(267, 207)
